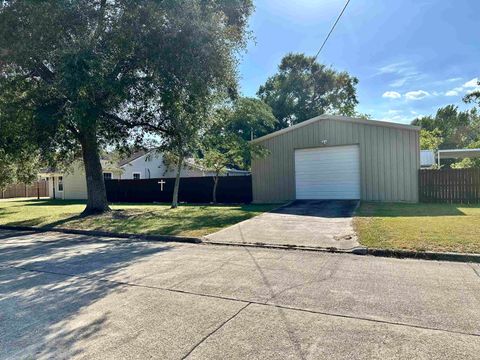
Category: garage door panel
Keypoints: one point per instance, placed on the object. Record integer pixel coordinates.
(328, 173)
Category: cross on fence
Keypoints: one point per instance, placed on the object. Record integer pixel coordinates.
(161, 182)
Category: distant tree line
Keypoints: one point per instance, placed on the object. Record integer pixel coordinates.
(451, 128)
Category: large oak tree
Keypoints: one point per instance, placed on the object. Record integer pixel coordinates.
(86, 74)
(302, 88)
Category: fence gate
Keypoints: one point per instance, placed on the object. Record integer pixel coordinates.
(450, 185)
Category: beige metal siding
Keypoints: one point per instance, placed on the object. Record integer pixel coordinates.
(389, 159)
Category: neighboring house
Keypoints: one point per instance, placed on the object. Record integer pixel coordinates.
(337, 157)
(150, 165)
(71, 184)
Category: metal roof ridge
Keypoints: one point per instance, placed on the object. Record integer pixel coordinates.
(336, 118)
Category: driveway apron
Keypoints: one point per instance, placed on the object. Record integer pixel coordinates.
(325, 224)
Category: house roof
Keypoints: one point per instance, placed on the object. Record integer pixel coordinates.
(109, 166)
(132, 157)
(230, 170)
(336, 118)
(139, 154)
(46, 172)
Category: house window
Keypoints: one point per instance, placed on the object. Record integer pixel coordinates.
(60, 183)
(136, 176)
(107, 176)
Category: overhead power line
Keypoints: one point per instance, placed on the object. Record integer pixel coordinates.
(331, 30)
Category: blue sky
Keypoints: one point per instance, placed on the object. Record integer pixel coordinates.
(410, 56)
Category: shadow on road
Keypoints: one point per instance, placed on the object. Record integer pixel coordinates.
(38, 301)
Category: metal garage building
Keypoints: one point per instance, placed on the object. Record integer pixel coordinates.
(337, 157)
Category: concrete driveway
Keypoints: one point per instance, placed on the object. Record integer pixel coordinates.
(65, 296)
(303, 223)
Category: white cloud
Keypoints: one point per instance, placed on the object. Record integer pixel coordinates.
(471, 84)
(467, 88)
(416, 95)
(447, 81)
(454, 79)
(394, 112)
(391, 95)
(399, 82)
(395, 68)
(395, 115)
(396, 118)
(451, 93)
(405, 71)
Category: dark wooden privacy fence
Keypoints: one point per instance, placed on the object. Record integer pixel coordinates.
(37, 189)
(450, 185)
(230, 190)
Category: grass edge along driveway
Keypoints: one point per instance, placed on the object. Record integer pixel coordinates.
(151, 219)
(419, 227)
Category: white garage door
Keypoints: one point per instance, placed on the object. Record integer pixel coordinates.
(328, 173)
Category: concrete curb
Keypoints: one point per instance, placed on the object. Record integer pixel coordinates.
(425, 255)
(399, 254)
(160, 238)
(358, 250)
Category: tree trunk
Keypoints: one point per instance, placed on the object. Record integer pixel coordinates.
(96, 193)
(177, 183)
(215, 183)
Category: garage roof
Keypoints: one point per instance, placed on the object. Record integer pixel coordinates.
(337, 118)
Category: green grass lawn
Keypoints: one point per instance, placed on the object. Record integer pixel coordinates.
(421, 227)
(158, 219)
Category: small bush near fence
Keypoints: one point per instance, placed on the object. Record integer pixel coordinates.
(230, 190)
(450, 185)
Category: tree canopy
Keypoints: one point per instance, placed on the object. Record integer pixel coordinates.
(430, 139)
(86, 74)
(226, 140)
(23, 168)
(303, 88)
(458, 128)
(451, 128)
(474, 96)
(251, 117)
